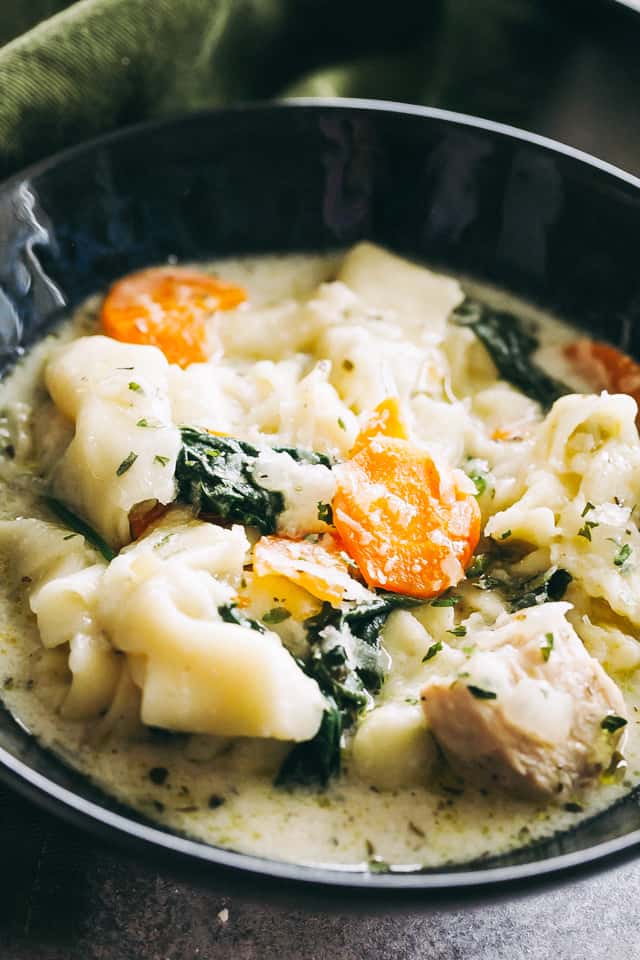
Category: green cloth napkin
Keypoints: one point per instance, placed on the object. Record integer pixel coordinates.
(97, 64)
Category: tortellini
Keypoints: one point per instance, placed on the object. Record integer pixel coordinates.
(418, 300)
(577, 497)
(64, 577)
(160, 603)
(125, 445)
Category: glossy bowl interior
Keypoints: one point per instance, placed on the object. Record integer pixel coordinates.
(491, 203)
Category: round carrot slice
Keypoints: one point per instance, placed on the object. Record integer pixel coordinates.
(409, 524)
(604, 367)
(167, 307)
(386, 420)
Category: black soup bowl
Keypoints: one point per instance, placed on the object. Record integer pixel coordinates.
(488, 202)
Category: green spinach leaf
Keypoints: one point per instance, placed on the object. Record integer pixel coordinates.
(216, 475)
(317, 760)
(510, 347)
(548, 586)
(348, 664)
(230, 613)
(74, 523)
(488, 571)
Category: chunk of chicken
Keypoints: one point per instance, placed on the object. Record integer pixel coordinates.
(525, 711)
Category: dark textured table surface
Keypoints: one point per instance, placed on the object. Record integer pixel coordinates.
(66, 896)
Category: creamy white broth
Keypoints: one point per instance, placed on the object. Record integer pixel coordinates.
(221, 791)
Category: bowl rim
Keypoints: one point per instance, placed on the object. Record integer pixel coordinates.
(370, 105)
(66, 803)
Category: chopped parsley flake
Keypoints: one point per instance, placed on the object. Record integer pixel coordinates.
(127, 463)
(135, 387)
(162, 542)
(412, 700)
(587, 507)
(481, 694)
(480, 482)
(325, 513)
(547, 646)
(622, 555)
(612, 722)
(585, 531)
(163, 461)
(377, 865)
(276, 615)
(433, 649)
(80, 527)
(505, 535)
(460, 631)
(341, 423)
(70, 536)
(478, 565)
(445, 601)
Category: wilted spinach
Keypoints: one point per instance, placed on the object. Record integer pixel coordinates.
(74, 523)
(230, 613)
(548, 586)
(510, 347)
(216, 475)
(488, 572)
(317, 760)
(348, 664)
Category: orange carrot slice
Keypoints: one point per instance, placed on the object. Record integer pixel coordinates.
(167, 307)
(386, 420)
(604, 367)
(410, 525)
(317, 567)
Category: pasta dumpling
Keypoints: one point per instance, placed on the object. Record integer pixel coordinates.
(125, 444)
(160, 603)
(579, 494)
(419, 300)
(64, 578)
